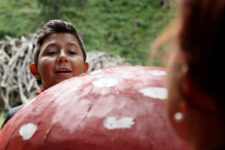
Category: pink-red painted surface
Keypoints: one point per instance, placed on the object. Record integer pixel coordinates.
(118, 108)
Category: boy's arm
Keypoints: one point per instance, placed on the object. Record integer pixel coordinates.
(12, 111)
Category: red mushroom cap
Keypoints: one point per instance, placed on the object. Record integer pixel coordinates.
(118, 108)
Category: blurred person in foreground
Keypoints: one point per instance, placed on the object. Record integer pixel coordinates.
(196, 80)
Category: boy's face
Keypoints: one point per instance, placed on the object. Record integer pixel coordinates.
(60, 58)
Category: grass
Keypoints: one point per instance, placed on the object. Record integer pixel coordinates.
(2, 118)
(118, 27)
(1, 122)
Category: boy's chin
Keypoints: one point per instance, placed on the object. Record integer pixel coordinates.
(63, 76)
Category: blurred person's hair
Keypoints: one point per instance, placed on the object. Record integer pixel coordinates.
(200, 33)
(201, 38)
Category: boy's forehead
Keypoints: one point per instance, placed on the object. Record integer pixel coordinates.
(60, 39)
(63, 37)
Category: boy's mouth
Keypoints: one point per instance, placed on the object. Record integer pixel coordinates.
(62, 71)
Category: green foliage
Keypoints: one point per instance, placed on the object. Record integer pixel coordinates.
(119, 27)
(2, 118)
(56, 9)
(18, 18)
(1, 122)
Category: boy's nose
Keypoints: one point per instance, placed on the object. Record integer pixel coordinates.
(62, 57)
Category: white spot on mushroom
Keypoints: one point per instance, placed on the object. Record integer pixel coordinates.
(27, 131)
(108, 82)
(155, 92)
(112, 123)
(157, 73)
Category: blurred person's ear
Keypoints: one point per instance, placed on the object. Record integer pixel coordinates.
(34, 71)
(86, 65)
(186, 85)
(194, 95)
(186, 82)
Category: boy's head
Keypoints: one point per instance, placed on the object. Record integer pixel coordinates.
(56, 26)
(59, 54)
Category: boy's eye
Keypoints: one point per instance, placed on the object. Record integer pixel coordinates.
(50, 53)
(72, 52)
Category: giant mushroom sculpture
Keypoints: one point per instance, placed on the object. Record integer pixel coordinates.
(118, 108)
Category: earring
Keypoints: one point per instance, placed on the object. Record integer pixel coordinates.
(178, 117)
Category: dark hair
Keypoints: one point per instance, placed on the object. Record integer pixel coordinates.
(202, 39)
(56, 26)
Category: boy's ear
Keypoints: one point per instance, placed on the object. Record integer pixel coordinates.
(86, 65)
(34, 71)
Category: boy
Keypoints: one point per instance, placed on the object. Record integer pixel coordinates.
(59, 54)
